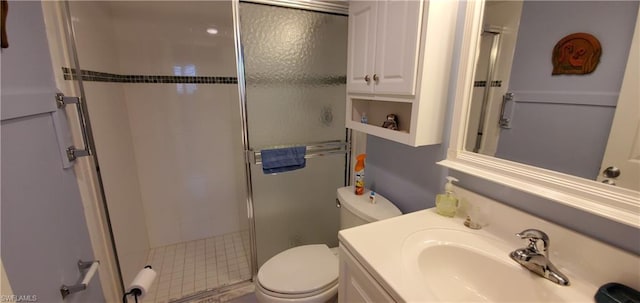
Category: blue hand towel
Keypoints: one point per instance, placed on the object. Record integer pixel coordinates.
(283, 159)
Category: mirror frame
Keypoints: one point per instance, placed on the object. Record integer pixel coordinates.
(614, 203)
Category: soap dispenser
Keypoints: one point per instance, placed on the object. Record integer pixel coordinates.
(447, 203)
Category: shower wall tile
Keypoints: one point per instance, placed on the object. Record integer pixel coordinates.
(187, 136)
(173, 39)
(189, 159)
(110, 125)
(118, 169)
(89, 75)
(95, 35)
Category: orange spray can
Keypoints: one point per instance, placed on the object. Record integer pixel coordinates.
(359, 174)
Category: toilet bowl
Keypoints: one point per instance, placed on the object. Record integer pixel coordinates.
(291, 277)
(309, 273)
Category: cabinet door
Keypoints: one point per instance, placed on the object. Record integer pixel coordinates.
(356, 284)
(397, 46)
(362, 45)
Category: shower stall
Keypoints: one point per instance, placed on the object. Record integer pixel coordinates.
(179, 99)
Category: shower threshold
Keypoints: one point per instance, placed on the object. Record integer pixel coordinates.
(229, 293)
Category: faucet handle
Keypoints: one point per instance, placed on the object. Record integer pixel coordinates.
(534, 235)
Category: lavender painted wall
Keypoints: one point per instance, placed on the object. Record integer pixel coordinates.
(568, 138)
(562, 122)
(410, 178)
(406, 175)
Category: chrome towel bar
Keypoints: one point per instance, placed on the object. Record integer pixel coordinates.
(314, 150)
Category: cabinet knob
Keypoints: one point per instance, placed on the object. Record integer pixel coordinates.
(375, 78)
(366, 78)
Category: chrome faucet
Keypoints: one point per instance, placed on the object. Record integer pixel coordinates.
(531, 258)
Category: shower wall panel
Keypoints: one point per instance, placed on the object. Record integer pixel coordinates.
(95, 41)
(187, 160)
(187, 135)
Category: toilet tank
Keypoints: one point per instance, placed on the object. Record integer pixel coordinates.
(357, 209)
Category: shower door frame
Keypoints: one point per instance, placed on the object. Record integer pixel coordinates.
(87, 170)
(496, 37)
(315, 6)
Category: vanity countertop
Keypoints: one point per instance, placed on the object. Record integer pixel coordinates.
(381, 247)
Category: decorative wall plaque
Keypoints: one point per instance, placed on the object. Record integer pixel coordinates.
(577, 53)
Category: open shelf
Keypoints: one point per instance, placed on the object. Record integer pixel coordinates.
(377, 112)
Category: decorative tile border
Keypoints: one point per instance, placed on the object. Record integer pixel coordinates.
(87, 75)
(496, 83)
(321, 80)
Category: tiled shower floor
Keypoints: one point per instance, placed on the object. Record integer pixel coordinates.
(191, 267)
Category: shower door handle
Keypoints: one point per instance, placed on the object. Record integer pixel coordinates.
(505, 118)
(72, 152)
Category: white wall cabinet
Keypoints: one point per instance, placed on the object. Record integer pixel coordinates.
(356, 284)
(399, 60)
(384, 54)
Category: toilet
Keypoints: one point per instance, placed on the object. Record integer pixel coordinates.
(309, 273)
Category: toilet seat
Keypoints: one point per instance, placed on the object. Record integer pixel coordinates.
(327, 291)
(314, 269)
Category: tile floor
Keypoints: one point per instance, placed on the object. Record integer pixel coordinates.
(195, 266)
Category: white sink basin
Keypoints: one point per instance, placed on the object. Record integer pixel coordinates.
(460, 266)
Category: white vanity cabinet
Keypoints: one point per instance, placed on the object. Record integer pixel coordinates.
(399, 61)
(356, 284)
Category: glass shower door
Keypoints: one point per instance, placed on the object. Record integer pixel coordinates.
(295, 71)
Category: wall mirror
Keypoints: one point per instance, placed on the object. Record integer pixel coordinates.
(551, 135)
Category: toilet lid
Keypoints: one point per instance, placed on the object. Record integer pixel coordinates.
(301, 269)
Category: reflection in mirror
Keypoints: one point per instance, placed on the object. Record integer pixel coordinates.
(521, 112)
